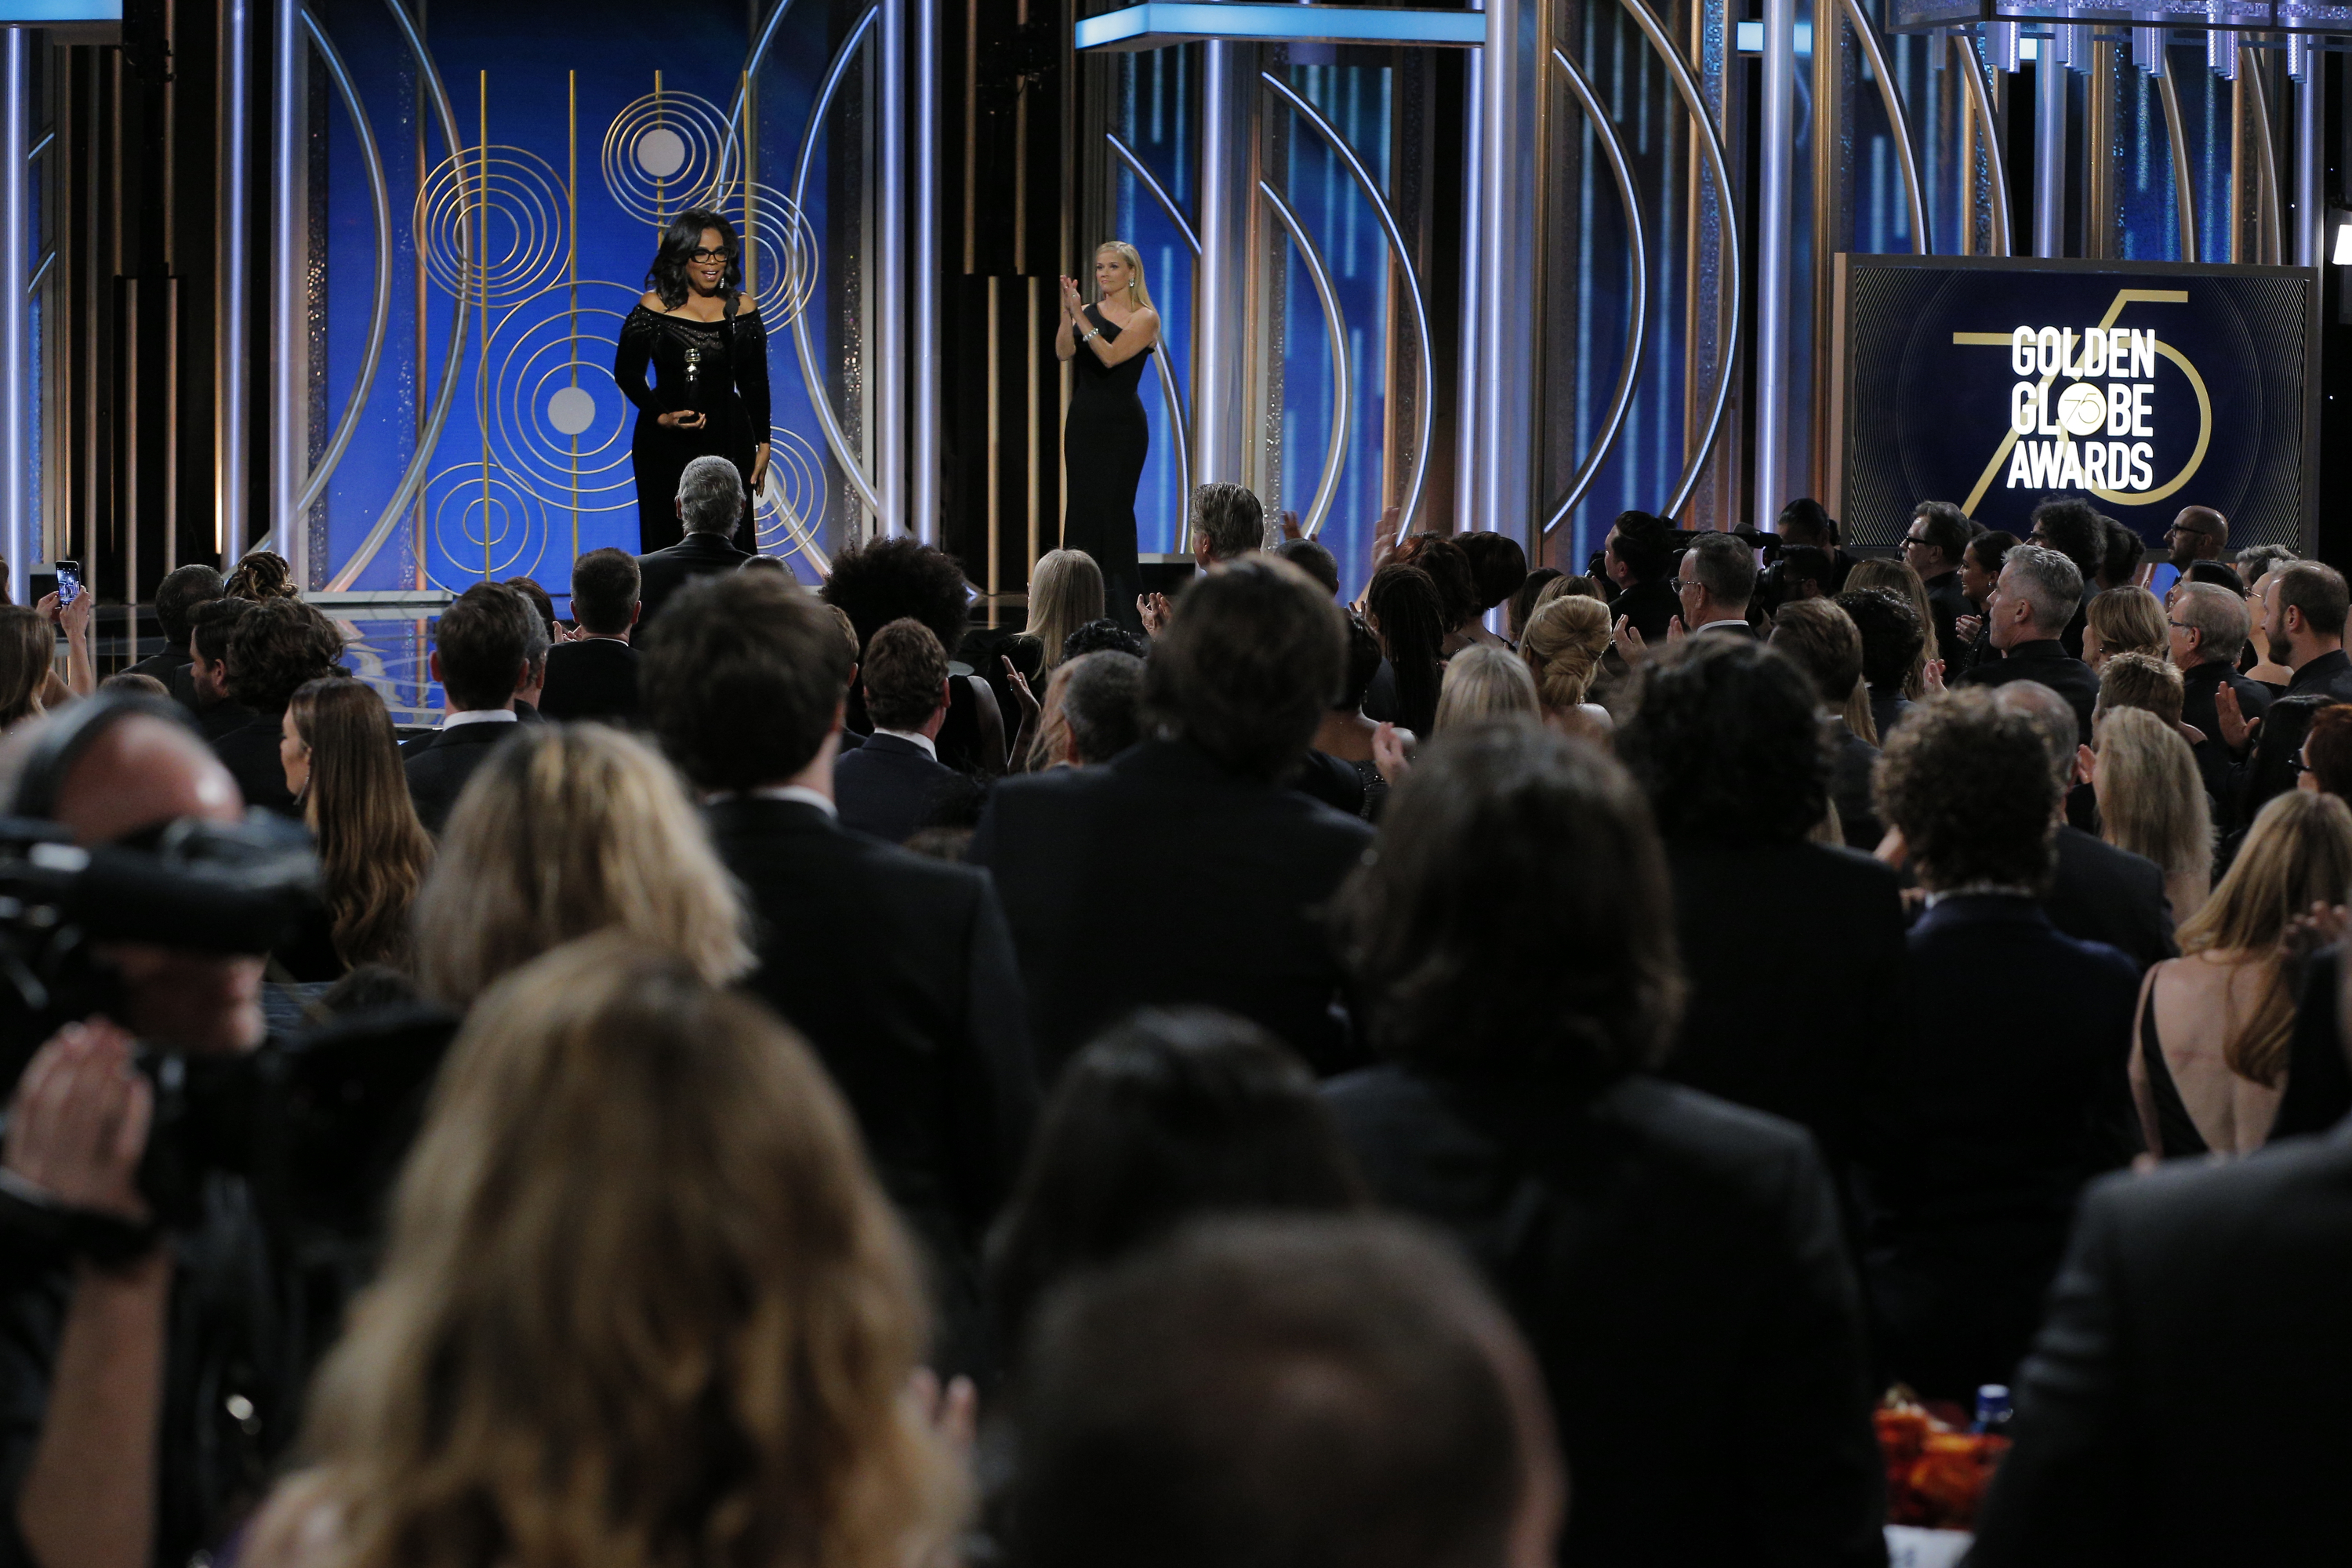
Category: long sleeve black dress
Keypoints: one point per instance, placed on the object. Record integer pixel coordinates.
(718, 368)
(1103, 442)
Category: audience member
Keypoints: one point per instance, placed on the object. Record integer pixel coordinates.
(1236, 686)
(262, 575)
(129, 680)
(1715, 580)
(1482, 684)
(2256, 561)
(342, 764)
(1933, 546)
(2179, 1405)
(1980, 565)
(2198, 534)
(1898, 579)
(564, 830)
(1102, 707)
(1403, 608)
(1823, 642)
(897, 967)
(1989, 1117)
(1893, 642)
(594, 676)
(2209, 1053)
(2152, 803)
(278, 646)
(1804, 572)
(1457, 590)
(29, 651)
(1310, 557)
(1345, 732)
(2078, 531)
(1286, 1391)
(1727, 742)
(2217, 575)
(639, 1287)
(1497, 566)
(1097, 635)
(1228, 522)
(1639, 558)
(2207, 628)
(894, 783)
(1563, 643)
(899, 579)
(2327, 752)
(2038, 590)
(72, 624)
(2124, 620)
(2143, 681)
(1664, 1252)
(710, 510)
(2305, 631)
(542, 605)
(2260, 663)
(1066, 592)
(180, 591)
(2119, 566)
(1167, 1117)
(203, 686)
(480, 656)
(2274, 763)
(1804, 523)
(1522, 605)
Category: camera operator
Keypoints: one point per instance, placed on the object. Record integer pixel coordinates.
(141, 1397)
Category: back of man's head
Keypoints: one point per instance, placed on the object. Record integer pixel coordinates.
(2048, 581)
(1102, 703)
(2219, 616)
(1312, 559)
(2120, 561)
(2141, 680)
(744, 685)
(710, 496)
(2076, 530)
(1726, 738)
(2318, 590)
(1823, 640)
(2053, 720)
(1228, 521)
(605, 588)
(1096, 637)
(1806, 521)
(1272, 1392)
(484, 641)
(2216, 574)
(277, 646)
(1253, 654)
(906, 674)
(1645, 544)
(1725, 567)
(210, 624)
(179, 593)
(1946, 527)
(1966, 779)
(1497, 564)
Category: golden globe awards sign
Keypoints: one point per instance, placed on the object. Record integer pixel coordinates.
(2146, 386)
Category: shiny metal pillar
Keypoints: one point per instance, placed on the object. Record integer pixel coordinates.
(15, 345)
(2049, 152)
(1776, 132)
(1222, 422)
(1497, 456)
(233, 386)
(892, 280)
(289, 285)
(2310, 158)
(924, 521)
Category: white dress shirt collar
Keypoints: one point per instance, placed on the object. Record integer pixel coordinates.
(912, 738)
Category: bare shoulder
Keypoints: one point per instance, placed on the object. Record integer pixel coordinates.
(653, 302)
(746, 304)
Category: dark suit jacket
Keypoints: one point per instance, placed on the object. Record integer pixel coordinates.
(1161, 879)
(250, 752)
(888, 788)
(1668, 1255)
(2319, 1080)
(1650, 606)
(2112, 896)
(1888, 706)
(2329, 675)
(162, 666)
(1945, 598)
(2053, 666)
(2184, 1404)
(665, 572)
(1852, 759)
(438, 765)
(901, 972)
(2222, 773)
(222, 718)
(593, 678)
(1995, 1108)
(1792, 1026)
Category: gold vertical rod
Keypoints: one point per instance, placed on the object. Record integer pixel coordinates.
(749, 182)
(661, 184)
(996, 462)
(482, 277)
(417, 402)
(1832, 231)
(572, 276)
(1029, 359)
(2238, 159)
(2099, 155)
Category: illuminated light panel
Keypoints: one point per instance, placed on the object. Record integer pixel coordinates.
(31, 13)
(1161, 23)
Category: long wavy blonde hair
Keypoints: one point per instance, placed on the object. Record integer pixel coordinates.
(1066, 592)
(2152, 802)
(1136, 292)
(568, 829)
(643, 1306)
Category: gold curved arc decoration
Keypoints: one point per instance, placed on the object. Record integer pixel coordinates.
(2196, 457)
(1897, 122)
(1343, 389)
(2184, 183)
(1996, 164)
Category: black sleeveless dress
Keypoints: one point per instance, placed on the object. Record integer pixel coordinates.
(1103, 446)
(718, 368)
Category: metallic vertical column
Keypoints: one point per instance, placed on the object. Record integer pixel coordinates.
(1776, 130)
(16, 369)
(1500, 458)
(1467, 404)
(290, 403)
(2049, 152)
(2310, 122)
(890, 356)
(233, 390)
(1220, 422)
(926, 519)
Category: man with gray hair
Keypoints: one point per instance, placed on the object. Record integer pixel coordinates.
(1716, 580)
(2209, 629)
(1228, 522)
(2100, 893)
(710, 507)
(2028, 609)
(1102, 706)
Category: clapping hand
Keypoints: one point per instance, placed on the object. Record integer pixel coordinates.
(1290, 529)
(1931, 678)
(2231, 720)
(1022, 698)
(1071, 306)
(1969, 627)
(1631, 645)
(2317, 927)
(1152, 609)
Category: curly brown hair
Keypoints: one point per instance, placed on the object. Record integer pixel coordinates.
(262, 575)
(1968, 786)
(280, 645)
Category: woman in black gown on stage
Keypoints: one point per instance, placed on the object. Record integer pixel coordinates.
(1104, 438)
(709, 356)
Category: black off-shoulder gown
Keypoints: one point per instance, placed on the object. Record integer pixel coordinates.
(1103, 442)
(718, 368)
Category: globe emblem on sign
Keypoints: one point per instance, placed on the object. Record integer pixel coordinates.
(661, 153)
(2083, 409)
(572, 410)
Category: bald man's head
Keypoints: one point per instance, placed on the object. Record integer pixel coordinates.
(141, 773)
(2198, 534)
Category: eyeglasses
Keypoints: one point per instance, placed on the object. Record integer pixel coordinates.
(710, 256)
(2037, 537)
(1917, 539)
(2181, 626)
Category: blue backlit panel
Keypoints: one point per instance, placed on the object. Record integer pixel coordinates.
(38, 13)
(1162, 23)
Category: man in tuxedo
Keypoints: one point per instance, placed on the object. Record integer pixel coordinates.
(179, 592)
(2078, 531)
(278, 643)
(710, 508)
(1932, 546)
(1183, 871)
(2198, 534)
(2209, 630)
(2183, 1405)
(595, 676)
(1713, 584)
(2037, 592)
(1639, 558)
(897, 967)
(894, 783)
(203, 684)
(1102, 706)
(2099, 893)
(482, 657)
(1228, 522)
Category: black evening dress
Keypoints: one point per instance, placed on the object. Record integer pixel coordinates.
(716, 368)
(1102, 445)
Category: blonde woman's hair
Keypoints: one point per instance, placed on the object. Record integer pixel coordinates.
(644, 1305)
(1897, 578)
(1568, 587)
(2152, 801)
(1563, 645)
(1483, 681)
(1066, 592)
(1136, 292)
(2130, 620)
(2298, 853)
(29, 648)
(564, 830)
